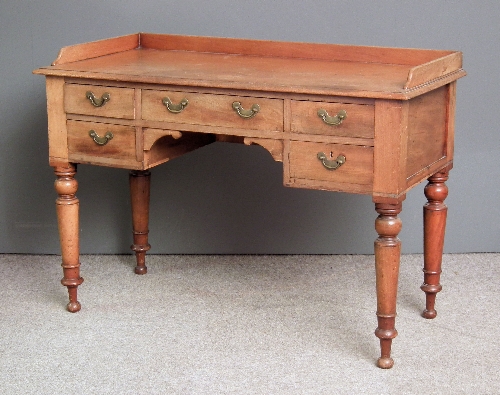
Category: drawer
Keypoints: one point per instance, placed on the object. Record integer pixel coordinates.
(359, 120)
(118, 102)
(305, 164)
(115, 143)
(212, 110)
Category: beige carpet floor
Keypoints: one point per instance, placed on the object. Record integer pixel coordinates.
(244, 325)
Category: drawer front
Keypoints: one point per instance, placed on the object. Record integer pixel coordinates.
(115, 143)
(305, 164)
(359, 120)
(117, 102)
(212, 110)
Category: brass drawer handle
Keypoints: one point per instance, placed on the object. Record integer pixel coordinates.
(331, 164)
(335, 120)
(98, 102)
(245, 113)
(174, 108)
(100, 140)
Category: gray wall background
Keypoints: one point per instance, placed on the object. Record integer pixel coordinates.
(229, 198)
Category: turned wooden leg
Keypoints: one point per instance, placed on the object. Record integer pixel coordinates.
(67, 218)
(139, 192)
(387, 256)
(434, 228)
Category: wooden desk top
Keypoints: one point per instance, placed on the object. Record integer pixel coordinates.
(324, 69)
(399, 106)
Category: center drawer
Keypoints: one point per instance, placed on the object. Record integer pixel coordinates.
(212, 110)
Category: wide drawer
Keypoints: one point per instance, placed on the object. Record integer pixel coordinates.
(101, 143)
(212, 110)
(358, 122)
(305, 163)
(97, 100)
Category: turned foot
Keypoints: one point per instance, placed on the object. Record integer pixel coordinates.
(434, 229)
(140, 252)
(429, 314)
(73, 307)
(430, 299)
(385, 362)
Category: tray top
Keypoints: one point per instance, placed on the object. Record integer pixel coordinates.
(271, 66)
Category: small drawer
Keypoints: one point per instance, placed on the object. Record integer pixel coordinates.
(358, 122)
(212, 110)
(305, 164)
(101, 143)
(101, 101)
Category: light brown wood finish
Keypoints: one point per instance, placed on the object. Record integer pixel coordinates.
(67, 205)
(139, 195)
(357, 169)
(238, 64)
(359, 122)
(96, 49)
(264, 48)
(120, 104)
(387, 256)
(275, 147)
(399, 129)
(169, 147)
(390, 149)
(213, 110)
(119, 151)
(435, 212)
(58, 134)
(427, 132)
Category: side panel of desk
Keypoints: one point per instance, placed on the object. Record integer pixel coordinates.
(431, 133)
(58, 133)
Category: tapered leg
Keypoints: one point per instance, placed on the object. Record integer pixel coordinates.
(434, 228)
(139, 192)
(387, 256)
(67, 218)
